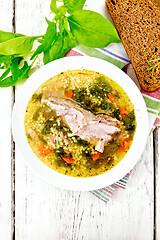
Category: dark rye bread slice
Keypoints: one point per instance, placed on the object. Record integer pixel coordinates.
(138, 25)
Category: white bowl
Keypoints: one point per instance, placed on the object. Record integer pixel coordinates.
(73, 63)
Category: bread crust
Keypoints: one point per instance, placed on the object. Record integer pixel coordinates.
(138, 25)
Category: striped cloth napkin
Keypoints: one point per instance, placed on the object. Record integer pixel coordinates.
(152, 100)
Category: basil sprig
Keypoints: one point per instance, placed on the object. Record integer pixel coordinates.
(92, 29)
(71, 26)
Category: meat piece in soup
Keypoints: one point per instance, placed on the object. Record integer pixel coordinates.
(80, 123)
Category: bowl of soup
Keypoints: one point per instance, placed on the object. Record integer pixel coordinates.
(80, 123)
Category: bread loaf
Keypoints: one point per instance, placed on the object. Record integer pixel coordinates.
(138, 25)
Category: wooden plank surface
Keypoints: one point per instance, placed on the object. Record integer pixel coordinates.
(6, 11)
(46, 212)
(30, 14)
(43, 211)
(157, 184)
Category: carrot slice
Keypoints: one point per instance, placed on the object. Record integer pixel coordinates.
(125, 144)
(123, 111)
(69, 94)
(67, 151)
(111, 97)
(107, 160)
(95, 156)
(44, 150)
(68, 160)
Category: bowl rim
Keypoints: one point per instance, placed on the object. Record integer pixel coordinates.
(76, 63)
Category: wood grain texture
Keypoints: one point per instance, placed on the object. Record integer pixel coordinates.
(46, 212)
(6, 11)
(157, 184)
(135, 215)
(5, 164)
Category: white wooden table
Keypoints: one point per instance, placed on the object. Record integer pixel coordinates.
(32, 209)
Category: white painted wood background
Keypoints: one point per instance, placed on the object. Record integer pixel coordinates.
(32, 209)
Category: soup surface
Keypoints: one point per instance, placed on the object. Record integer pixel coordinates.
(80, 123)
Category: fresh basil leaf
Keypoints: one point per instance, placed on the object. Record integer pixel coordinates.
(24, 71)
(73, 5)
(5, 36)
(53, 6)
(20, 45)
(14, 66)
(4, 59)
(19, 73)
(7, 82)
(5, 73)
(65, 24)
(62, 45)
(49, 37)
(68, 41)
(62, 11)
(40, 40)
(92, 29)
(61, 27)
(54, 52)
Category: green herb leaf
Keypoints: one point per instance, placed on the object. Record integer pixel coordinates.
(5, 73)
(68, 41)
(49, 37)
(7, 82)
(20, 45)
(54, 52)
(61, 12)
(5, 36)
(4, 59)
(24, 71)
(19, 74)
(83, 26)
(53, 6)
(152, 67)
(73, 5)
(14, 68)
(61, 46)
(129, 121)
(92, 29)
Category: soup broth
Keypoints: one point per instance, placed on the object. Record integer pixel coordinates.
(80, 123)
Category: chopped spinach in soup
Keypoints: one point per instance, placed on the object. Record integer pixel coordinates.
(80, 123)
